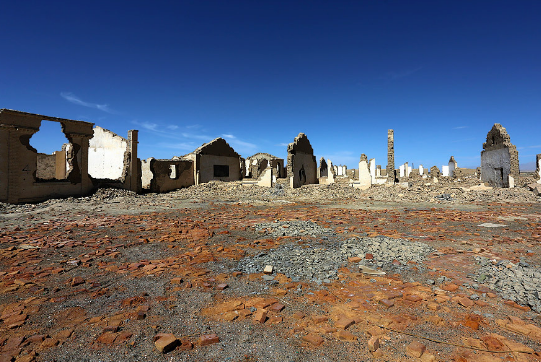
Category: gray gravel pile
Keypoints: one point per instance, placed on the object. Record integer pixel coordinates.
(454, 193)
(293, 228)
(318, 263)
(520, 282)
(385, 250)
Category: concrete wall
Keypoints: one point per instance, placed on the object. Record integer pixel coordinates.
(18, 168)
(106, 155)
(166, 175)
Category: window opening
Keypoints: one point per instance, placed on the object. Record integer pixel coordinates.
(221, 170)
(53, 150)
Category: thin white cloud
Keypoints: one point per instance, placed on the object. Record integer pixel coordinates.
(536, 146)
(460, 127)
(172, 127)
(200, 137)
(282, 144)
(228, 135)
(147, 125)
(70, 97)
(401, 74)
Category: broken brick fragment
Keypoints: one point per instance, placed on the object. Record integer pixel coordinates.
(208, 339)
(373, 344)
(344, 322)
(166, 342)
(313, 338)
(415, 349)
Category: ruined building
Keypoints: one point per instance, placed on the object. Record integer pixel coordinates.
(256, 164)
(301, 162)
(499, 158)
(325, 172)
(19, 179)
(215, 160)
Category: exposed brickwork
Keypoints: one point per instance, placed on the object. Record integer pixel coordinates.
(390, 157)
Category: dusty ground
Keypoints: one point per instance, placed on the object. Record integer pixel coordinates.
(100, 278)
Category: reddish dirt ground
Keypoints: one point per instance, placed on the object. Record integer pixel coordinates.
(81, 285)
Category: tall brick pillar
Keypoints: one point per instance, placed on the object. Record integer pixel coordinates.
(390, 156)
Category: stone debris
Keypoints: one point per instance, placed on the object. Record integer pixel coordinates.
(385, 250)
(519, 283)
(292, 228)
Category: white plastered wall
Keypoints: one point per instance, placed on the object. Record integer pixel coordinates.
(106, 155)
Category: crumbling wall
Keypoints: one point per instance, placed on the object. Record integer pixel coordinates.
(326, 173)
(434, 171)
(391, 172)
(499, 158)
(259, 162)
(166, 175)
(216, 160)
(365, 180)
(538, 166)
(18, 168)
(106, 155)
(301, 162)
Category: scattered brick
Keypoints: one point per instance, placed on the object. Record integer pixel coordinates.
(208, 339)
(313, 338)
(415, 349)
(166, 342)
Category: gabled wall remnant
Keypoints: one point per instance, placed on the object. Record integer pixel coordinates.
(215, 160)
(256, 165)
(166, 175)
(391, 172)
(301, 162)
(18, 160)
(499, 158)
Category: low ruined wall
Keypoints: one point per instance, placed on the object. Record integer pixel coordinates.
(166, 175)
(207, 165)
(106, 155)
(18, 173)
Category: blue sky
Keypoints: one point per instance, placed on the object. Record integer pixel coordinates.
(440, 73)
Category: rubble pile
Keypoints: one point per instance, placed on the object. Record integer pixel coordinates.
(518, 282)
(292, 228)
(385, 251)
